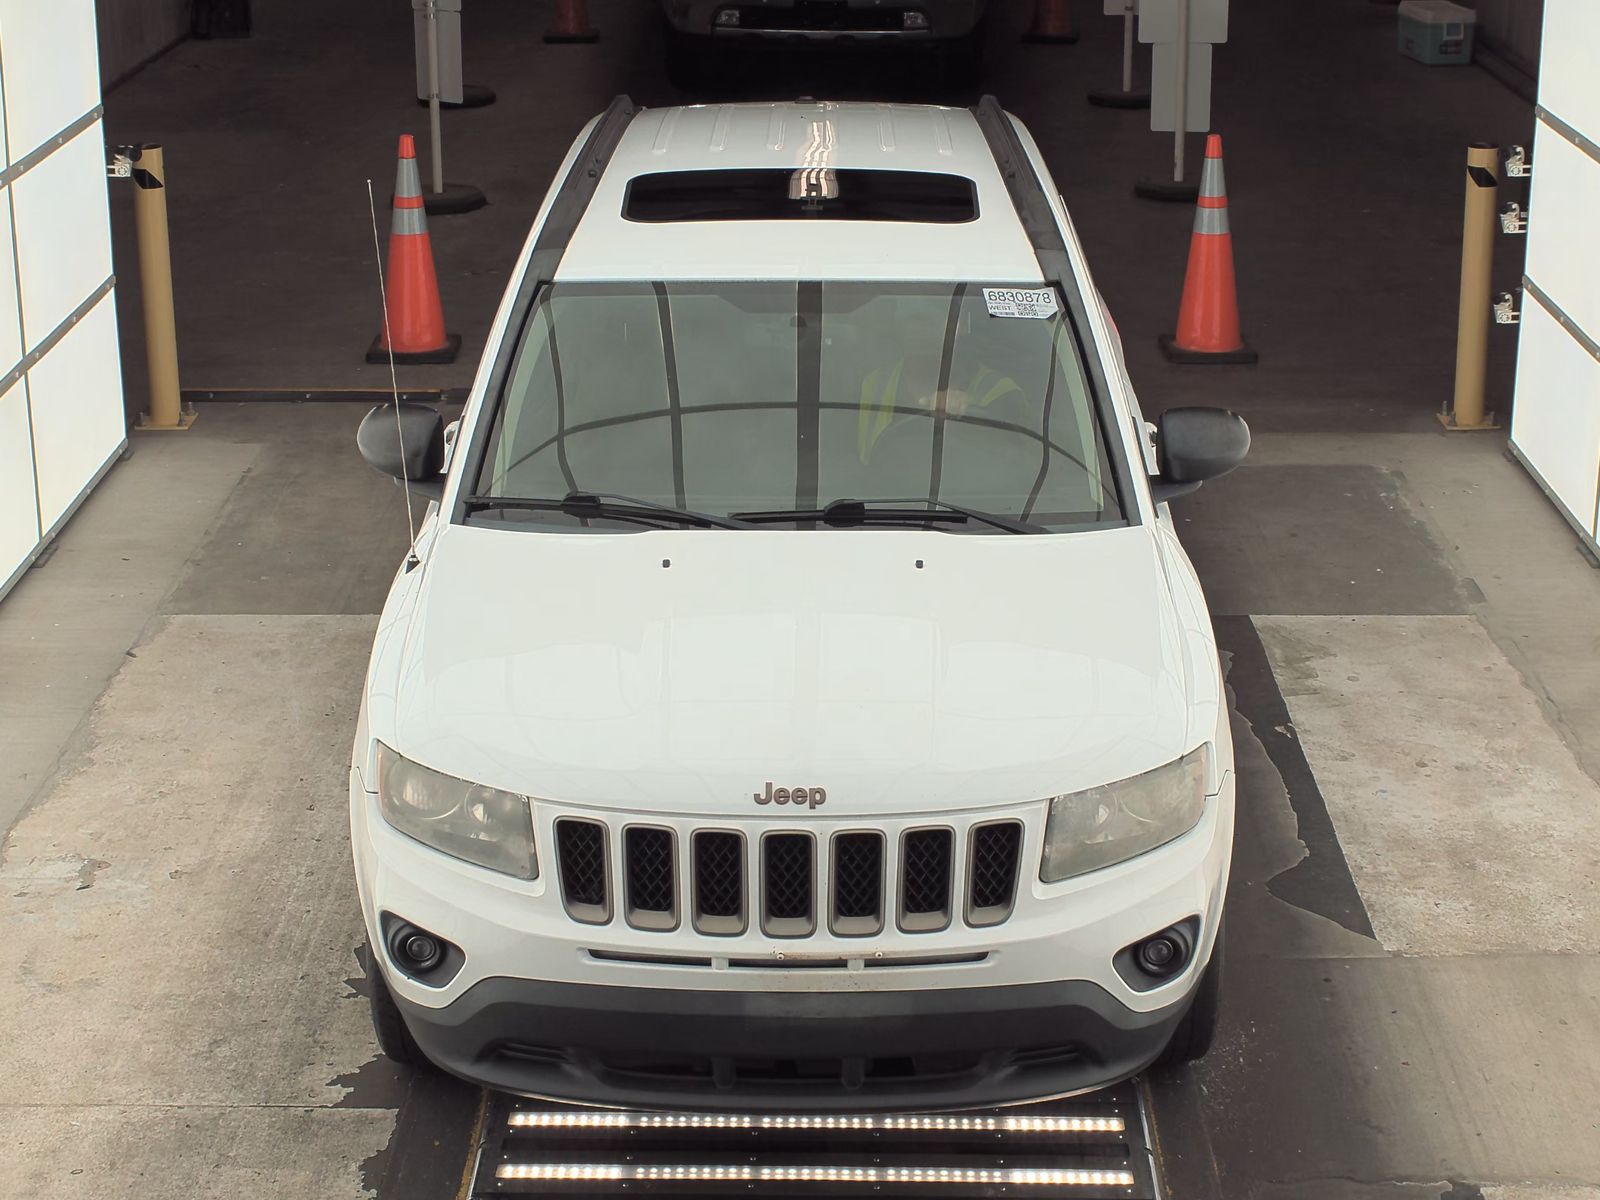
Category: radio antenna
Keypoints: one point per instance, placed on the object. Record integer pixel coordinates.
(394, 386)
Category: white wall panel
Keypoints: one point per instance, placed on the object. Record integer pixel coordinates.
(63, 232)
(5, 154)
(78, 423)
(1567, 62)
(10, 330)
(1564, 243)
(1556, 424)
(19, 518)
(51, 67)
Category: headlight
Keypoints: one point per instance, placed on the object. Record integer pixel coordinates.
(1110, 824)
(481, 825)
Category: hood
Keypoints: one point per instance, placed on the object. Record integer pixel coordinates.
(683, 671)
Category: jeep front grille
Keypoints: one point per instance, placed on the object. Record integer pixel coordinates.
(648, 854)
(857, 884)
(992, 872)
(926, 857)
(719, 882)
(585, 886)
(850, 883)
(788, 884)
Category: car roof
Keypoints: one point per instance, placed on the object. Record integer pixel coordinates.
(791, 135)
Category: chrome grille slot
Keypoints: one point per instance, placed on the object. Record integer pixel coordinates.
(788, 884)
(857, 907)
(992, 869)
(719, 882)
(650, 877)
(585, 870)
(926, 860)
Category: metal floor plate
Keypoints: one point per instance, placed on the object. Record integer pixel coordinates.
(1092, 1147)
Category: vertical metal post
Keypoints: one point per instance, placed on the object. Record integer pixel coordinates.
(1127, 49)
(1183, 92)
(431, 12)
(155, 288)
(1477, 261)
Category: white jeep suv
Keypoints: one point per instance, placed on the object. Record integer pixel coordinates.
(797, 696)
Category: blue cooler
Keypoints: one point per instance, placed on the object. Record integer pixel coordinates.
(1437, 32)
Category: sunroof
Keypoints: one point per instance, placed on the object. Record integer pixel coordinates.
(786, 194)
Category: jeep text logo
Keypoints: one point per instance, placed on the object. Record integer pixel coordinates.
(812, 797)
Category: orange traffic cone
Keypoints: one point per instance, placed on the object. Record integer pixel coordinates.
(1208, 317)
(1052, 22)
(413, 316)
(570, 23)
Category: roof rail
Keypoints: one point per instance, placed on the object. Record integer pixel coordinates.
(578, 188)
(1027, 193)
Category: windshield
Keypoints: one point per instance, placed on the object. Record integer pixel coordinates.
(767, 396)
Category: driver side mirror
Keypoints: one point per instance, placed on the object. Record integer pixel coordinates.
(407, 442)
(1194, 445)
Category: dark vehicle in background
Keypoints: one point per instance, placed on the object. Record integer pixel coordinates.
(705, 34)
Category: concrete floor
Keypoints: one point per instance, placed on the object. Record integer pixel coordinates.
(1413, 996)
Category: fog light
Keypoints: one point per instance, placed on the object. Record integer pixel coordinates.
(423, 951)
(415, 950)
(914, 20)
(1163, 954)
(728, 18)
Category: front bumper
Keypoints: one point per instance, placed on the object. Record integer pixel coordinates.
(821, 1051)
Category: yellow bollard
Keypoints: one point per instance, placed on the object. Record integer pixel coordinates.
(1477, 261)
(155, 286)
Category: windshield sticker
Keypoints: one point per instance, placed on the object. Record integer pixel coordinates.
(1038, 304)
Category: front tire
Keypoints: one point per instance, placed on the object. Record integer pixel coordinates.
(394, 1038)
(1195, 1033)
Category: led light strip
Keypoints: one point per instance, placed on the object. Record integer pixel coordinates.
(528, 1119)
(744, 1173)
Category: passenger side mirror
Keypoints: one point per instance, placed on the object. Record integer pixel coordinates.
(1194, 445)
(408, 445)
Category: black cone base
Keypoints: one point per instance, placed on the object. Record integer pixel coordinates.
(1117, 98)
(416, 358)
(1050, 39)
(473, 95)
(1166, 189)
(1244, 356)
(581, 38)
(456, 198)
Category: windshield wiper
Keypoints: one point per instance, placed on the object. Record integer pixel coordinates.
(607, 506)
(847, 512)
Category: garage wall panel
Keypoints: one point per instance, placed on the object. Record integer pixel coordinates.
(61, 410)
(19, 514)
(52, 68)
(10, 326)
(1567, 63)
(76, 397)
(63, 232)
(1556, 425)
(1565, 192)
